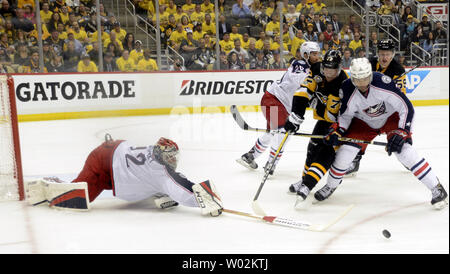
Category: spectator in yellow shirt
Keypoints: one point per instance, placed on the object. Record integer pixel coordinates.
(297, 41)
(188, 7)
(207, 6)
(198, 15)
(318, 6)
(147, 63)
(94, 35)
(356, 42)
(226, 44)
(180, 13)
(46, 13)
(120, 32)
(137, 53)
(171, 8)
(262, 37)
(79, 33)
(245, 41)
(113, 40)
(235, 34)
(209, 26)
(177, 36)
(270, 8)
(273, 27)
(125, 63)
(86, 65)
(198, 32)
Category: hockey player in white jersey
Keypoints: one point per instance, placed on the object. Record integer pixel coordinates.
(133, 174)
(372, 104)
(276, 105)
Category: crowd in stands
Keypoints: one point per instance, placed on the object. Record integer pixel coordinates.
(249, 34)
(69, 39)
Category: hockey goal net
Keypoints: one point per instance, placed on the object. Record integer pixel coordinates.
(11, 179)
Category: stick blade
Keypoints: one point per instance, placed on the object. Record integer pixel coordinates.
(257, 209)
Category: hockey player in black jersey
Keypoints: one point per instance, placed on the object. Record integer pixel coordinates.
(320, 91)
(385, 63)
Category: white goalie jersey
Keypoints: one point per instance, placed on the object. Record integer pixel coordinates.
(289, 84)
(138, 176)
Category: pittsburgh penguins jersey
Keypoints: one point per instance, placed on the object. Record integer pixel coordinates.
(285, 88)
(138, 176)
(383, 99)
(321, 96)
(394, 70)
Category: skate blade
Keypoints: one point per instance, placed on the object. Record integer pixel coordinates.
(441, 205)
(240, 161)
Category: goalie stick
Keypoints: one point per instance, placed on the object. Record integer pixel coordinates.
(242, 124)
(293, 223)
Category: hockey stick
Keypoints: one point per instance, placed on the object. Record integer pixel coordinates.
(242, 124)
(416, 66)
(255, 205)
(293, 223)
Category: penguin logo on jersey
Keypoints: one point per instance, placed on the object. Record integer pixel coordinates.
(376, 110)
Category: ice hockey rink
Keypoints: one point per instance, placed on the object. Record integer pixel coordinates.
(385, 194)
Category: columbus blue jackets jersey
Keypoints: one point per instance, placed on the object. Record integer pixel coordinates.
(289, 83)
(383, 99)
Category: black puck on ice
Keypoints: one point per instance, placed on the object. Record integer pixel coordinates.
(386, 234)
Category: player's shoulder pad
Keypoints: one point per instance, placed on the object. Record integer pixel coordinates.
(347, 88)
(382, 81)
(396, 67)
(298, 66)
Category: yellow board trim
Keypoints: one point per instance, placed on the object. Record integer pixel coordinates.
(167, 111)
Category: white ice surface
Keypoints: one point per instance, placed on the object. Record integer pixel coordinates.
(386, 195)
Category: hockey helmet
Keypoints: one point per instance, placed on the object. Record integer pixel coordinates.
(166, 152)
(331, 64)
(386, 44)
(308, 47)
(361, 72)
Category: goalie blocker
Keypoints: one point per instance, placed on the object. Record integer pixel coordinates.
(133, 174)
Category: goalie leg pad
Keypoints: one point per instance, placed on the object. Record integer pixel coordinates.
(207, 198)
(35, 192)
(69, 196)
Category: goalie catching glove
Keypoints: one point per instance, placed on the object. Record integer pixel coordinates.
(208, 199)
(334, 133)
(293, 123)
(396, 140)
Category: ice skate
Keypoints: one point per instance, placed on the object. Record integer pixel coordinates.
(248, 160)
(439, 197)
(353, 169)
(295, 187)
(324, 193)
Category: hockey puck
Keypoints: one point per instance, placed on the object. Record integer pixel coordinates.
(386, 234)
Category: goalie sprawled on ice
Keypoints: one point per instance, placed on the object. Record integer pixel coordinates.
(133, 173)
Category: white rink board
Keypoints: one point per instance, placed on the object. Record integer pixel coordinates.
(59, 93)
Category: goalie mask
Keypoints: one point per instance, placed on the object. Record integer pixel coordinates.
(166, 152)
(331, 65)
(361, 73)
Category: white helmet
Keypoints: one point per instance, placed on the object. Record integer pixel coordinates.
(308, 47)
(360, 68)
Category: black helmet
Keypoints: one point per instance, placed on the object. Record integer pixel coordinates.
(386, 44)
(332, 59)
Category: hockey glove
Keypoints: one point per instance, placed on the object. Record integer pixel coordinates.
(293, 123)
(334, 132)
(396, 140)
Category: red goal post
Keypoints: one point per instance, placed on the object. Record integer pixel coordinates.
(11, 177)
